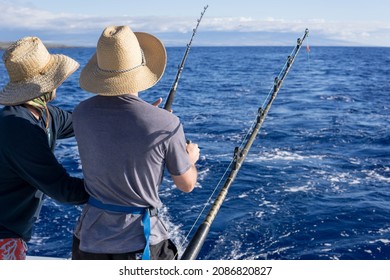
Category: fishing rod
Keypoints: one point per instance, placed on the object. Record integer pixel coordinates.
(172, 92)
(239, 156)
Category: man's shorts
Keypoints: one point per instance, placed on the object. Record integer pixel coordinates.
(13, 249)
(165, 250)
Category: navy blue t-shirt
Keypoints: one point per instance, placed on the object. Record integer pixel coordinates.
(29, 169)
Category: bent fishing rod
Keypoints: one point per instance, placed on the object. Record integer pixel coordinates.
(239, 156)
(172, 92)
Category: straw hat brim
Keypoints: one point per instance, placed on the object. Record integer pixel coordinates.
(59, 69)
(94, 80)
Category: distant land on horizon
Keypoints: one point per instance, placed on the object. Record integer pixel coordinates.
(5, 45)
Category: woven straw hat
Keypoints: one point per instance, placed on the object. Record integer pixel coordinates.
(33, 71)
(124, 62)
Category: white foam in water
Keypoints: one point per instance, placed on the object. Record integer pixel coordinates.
(38, 240)
(203, 174)
(342, 178)
(176, 234)
(384, 241)
(375, 175)
(259, 214)
(299, 189)
(384, 230)
(236, 250)
(277, 154)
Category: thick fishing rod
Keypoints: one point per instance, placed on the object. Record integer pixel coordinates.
(172, 92)
(200, 235)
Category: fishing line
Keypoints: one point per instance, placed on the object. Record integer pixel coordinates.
(206, 204)
(240, 154)
(244, 139)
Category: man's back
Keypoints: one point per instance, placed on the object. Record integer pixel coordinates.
(124, 143)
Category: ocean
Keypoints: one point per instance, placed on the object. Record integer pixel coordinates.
(315, 184)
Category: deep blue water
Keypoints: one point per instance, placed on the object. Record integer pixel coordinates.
(315, 184)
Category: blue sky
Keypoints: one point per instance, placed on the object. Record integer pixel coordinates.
(226, 22)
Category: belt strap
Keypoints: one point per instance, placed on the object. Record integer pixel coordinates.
(147, 212)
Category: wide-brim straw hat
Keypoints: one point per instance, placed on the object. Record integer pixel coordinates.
(124, 62)
(33, 71)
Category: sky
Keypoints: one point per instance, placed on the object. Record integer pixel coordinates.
(225, 23)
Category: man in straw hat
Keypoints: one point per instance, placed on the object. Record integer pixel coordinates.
(125, 144)
(29, 128)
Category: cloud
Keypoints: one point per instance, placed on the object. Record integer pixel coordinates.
(85, 29)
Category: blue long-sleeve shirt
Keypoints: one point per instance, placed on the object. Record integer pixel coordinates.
(29, 169)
